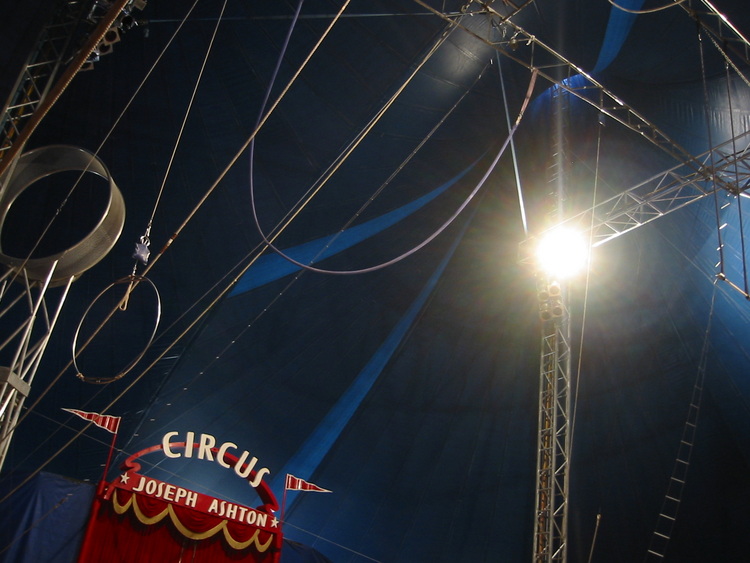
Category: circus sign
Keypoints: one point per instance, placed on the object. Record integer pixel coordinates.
(136, 514)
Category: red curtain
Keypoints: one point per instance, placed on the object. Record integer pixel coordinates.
(117, 532)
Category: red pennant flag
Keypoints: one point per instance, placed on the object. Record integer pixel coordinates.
(109, 423)
(296, 484)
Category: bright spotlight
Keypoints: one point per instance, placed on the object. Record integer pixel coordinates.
(562, 253)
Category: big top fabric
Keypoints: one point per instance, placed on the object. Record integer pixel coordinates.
(410, 391)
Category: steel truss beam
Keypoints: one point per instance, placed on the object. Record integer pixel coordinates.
(663, 193)
(53, 47)
(719, 28)
(527, 50)
(692, 179)
(36, 92)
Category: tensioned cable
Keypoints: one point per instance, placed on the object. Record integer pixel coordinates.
(338, 162)
(106, 138)
(512, 149)
(318, 185)
(296, 277)
(127, 389)
(161, 190)
(329, 173)
(321, 16)
(161, 253)
(707, 117)
(587, 285)
(111, 130)
(728, 60)
(144, 240)
(136, 379)
(249, 140)
(102, 143)
(211, 188)
(737, 176)
(430, 237)
(258, 247)
(185, 118)
(316, 536)
(168, 348)
(649, 11)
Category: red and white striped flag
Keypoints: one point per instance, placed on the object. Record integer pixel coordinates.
(109, 423)
(296, 484)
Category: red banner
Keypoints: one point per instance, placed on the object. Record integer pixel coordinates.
(137, 518)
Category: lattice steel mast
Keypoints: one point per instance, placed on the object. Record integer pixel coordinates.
(29, 306)
(553, 440)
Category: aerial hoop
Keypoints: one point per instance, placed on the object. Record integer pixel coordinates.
(41, 163)
(132, 282)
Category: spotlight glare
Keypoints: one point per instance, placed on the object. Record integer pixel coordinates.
(562, 253)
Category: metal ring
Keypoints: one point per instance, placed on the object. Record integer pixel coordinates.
(40, 163)
(130, 280)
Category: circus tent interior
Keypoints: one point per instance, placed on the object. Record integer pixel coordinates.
(305, 230)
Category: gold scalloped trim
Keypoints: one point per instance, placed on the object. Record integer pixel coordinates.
(169, 511)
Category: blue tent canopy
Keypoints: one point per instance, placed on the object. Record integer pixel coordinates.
(408, 387)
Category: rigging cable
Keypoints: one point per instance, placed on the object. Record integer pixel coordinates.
(338, 162)
(142, 252)
(727, 59)
(302, 270)
(427, 240)
(99, 148)
(188, 111)
(512, 149)
(191, 324)
(707, 117)
(737, 177)
(208, 307)
(249, 140)
(587, 285)
(113, 127)
(649, 11)
(260, 247)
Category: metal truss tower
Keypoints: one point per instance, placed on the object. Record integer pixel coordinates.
(38, 308)
(78, 33)
(553, 440)
(725, 167)
(54, 45)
